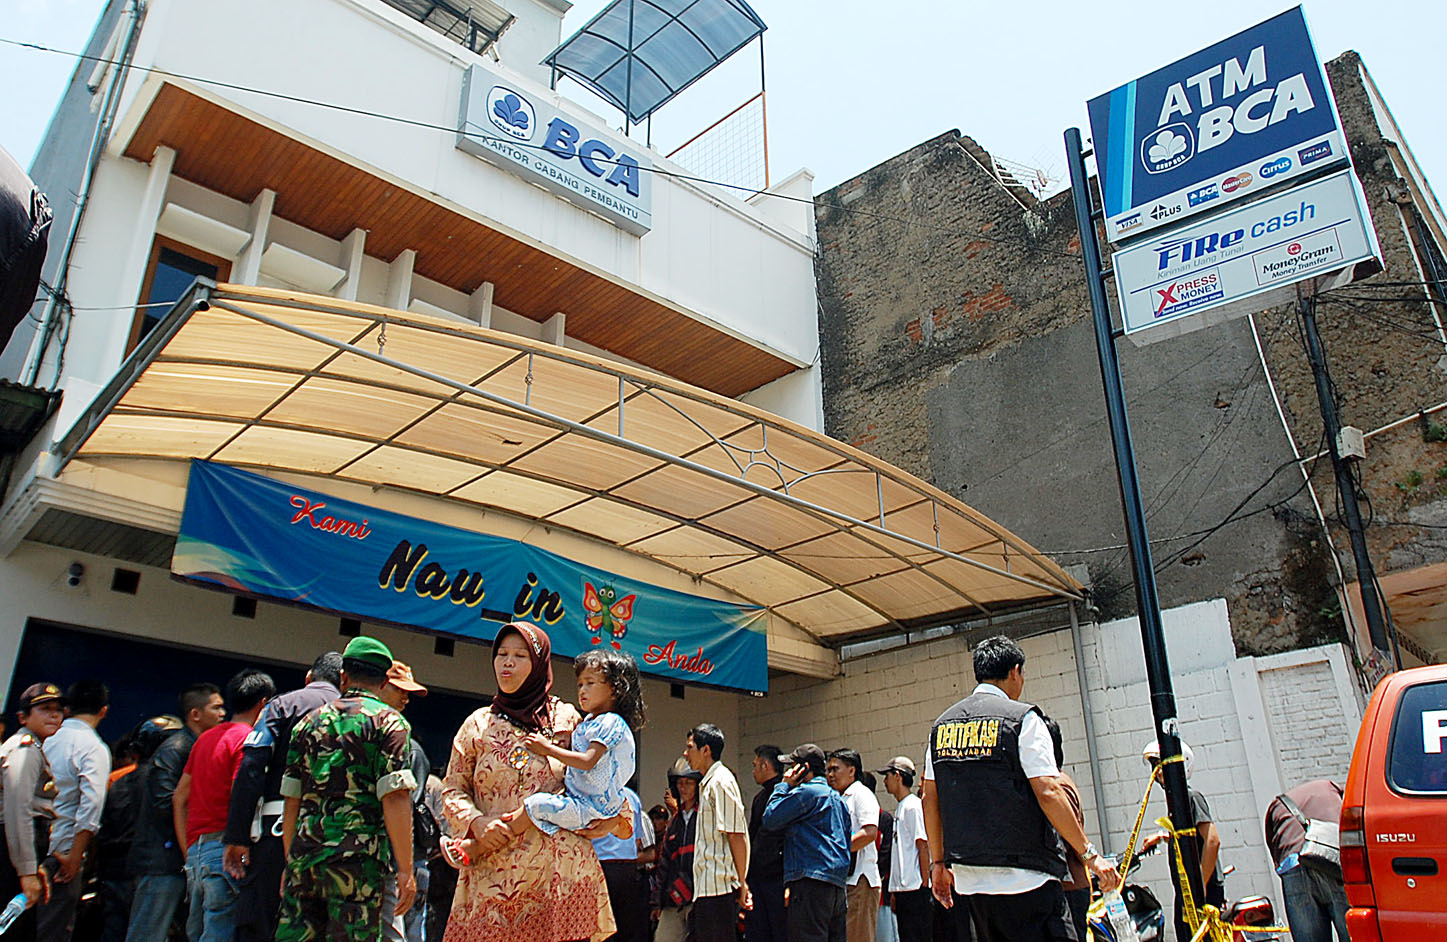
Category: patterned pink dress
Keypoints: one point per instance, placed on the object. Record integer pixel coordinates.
(538, 888)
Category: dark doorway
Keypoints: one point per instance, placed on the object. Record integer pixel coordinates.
(145, 676)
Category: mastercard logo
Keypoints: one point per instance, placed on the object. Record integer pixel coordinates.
(1239, 182)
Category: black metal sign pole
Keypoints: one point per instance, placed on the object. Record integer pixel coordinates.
(1158, 672)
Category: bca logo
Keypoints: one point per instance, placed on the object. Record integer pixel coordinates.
(1168, 148)
(511, 113)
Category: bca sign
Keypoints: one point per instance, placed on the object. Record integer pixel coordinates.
(1223, 123)
(1252, 254)
(526, 135)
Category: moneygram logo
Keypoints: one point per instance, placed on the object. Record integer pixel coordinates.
(1239, 182)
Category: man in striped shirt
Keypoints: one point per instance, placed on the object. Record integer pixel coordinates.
(721, 846)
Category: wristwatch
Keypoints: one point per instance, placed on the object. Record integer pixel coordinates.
(1089, 853)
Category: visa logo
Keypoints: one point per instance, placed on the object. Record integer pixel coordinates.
(1278, 166)
(1129, 222)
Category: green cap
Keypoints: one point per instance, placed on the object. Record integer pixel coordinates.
(369, 650)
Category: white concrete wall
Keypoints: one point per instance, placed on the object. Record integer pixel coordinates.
(1245, 755)
(33, 585)
(330, 51)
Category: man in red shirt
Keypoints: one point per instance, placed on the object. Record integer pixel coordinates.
(203, 798)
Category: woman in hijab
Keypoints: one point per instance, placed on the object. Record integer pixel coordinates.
(534, 888)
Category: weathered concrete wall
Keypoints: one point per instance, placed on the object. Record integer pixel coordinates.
(957, 342)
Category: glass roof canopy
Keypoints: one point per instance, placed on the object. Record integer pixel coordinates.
(639, 54)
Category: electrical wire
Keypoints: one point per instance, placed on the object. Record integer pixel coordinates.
(428, 125)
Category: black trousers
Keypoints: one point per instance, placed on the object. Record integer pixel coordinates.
(714, 919)
(766, 921)
(914, 914)
(953, 924)
(259, 898)
(629, 899)
(23, 928)
(817, 911)
(1041, 915)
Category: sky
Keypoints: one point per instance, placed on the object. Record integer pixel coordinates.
(851, 84)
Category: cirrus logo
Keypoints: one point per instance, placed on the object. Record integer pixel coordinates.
(511, 113)
(1278, 166)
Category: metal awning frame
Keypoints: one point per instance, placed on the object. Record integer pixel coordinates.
(204, 294)
(631, 54)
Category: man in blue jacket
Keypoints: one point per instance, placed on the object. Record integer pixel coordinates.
(816, 848)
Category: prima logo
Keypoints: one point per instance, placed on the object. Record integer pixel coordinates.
(1168, 148)
(511, 113)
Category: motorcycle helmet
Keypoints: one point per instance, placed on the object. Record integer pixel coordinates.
(150, 733)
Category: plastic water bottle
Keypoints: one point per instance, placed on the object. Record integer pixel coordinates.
(12, 911)
(1121, 925)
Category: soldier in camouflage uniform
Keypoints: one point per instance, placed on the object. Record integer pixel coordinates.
(348, 796)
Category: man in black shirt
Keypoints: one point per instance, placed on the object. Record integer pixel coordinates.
(766, 921)
(258, 862)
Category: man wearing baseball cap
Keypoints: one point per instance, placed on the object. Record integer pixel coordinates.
(27, 794)
(348, 789)
(398, 691)
(815, 822)
(908, 889)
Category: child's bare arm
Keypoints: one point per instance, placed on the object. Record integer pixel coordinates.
(541, 745)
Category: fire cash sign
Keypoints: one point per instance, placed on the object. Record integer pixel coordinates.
(1216, 126)
(1313, 229)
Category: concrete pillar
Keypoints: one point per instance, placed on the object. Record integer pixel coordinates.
(138, 256)
(479, 306)
(350, 258)
(248, 266)
(553, 329)
(399, 280)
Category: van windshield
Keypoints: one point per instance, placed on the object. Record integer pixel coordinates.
(1418, 758)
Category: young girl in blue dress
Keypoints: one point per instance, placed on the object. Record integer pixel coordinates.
(601, 761)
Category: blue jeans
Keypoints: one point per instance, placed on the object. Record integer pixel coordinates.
(154, 905)
(212, 894)
(1314, 903)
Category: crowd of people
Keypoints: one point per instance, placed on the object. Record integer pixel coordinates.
(314, 814)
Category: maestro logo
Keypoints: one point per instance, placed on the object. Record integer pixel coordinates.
(1278, 166)
(511, 113)
(1168, 148)
(1239, 182)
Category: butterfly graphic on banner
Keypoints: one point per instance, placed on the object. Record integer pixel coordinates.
(607, 612)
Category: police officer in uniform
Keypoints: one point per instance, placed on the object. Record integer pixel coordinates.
(27, 793)
(995, 812)
(257, 860)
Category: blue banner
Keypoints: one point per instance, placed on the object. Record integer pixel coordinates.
(1222, 123)
(250, 534)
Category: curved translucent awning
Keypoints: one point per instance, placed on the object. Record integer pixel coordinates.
(828, 538)
(638, 54)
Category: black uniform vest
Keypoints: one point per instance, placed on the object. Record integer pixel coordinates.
(990, 814)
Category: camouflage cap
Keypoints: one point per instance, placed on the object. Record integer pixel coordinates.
(369, 651)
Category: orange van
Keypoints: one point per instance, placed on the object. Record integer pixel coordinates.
(1394, 812)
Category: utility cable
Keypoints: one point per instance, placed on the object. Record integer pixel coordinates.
(428, 125)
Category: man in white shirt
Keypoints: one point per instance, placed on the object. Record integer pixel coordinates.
(81, 764)
(996, 812)
(721, 842)
(861, 891)
(909, 868)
